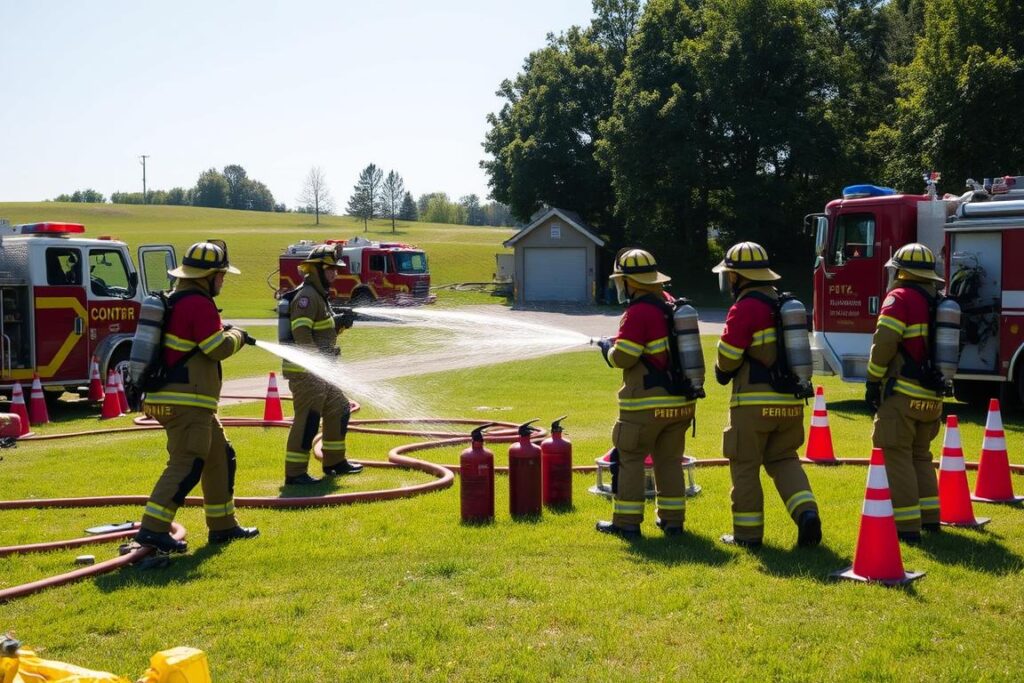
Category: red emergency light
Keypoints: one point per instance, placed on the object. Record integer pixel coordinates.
(51, 228)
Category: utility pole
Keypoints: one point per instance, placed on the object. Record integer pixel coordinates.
(144, 157)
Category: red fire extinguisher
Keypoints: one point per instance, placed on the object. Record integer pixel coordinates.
(524, 479)
(476, 468)
(556, 467)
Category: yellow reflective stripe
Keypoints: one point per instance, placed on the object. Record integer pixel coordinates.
(296, 456)
(748, 518)
(876, 370)
(893, 324)
(174, 398)
(628, 347)
(905, 514)
(671, 503)
(798, 499)
(177, 343)
(326, 324)
(159, 512)
(913, 331)
(913, 390)
(930, 503)
(222, 510)
(656, 346)
(765, 336)
(764, 399)
(302, 322)
(729, 351)
(626, 507)
(333, 445)
(212, 342)
(654, 402)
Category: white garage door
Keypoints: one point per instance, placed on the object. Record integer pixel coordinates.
(555, 274)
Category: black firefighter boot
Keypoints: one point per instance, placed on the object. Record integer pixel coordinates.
(342, 468)
(233, 534)
(808, 532)
(161, 541)
(303, 479)
(631, 531)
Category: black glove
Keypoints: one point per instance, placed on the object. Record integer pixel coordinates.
(873, 395)
(605, 344)
(246, 339)
(723, 377)
(344, 320)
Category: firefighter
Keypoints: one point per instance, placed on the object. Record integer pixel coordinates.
(907, 405)
(766, 426)
(653, 416)
(195, 342)
(314, 327)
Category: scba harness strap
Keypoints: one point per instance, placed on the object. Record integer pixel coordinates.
(158, 375)
(924, 371)
(671, 379)
(779, 376)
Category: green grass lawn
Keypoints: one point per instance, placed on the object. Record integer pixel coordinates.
(402, 590)
(456, 253)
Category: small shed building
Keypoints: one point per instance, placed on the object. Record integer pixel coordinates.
(556, 259)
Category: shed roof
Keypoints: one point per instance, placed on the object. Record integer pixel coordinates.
(570, 217)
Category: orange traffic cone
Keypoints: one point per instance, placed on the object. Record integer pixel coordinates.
(878, 548)
(819, 440)
(955, 507)
(111, 403)
(122, 398)
(993, 484)
(37, 403)
(18, 407)
(272, 404)
(95, 383)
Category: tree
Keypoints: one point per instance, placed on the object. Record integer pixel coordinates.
(211, 190)
(474, 212)
(237, 186)
(87, 196)
(365, 200)
(315, 197)
(409, 211)
(391, 195)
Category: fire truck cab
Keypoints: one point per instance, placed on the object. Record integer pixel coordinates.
(373, 272)
(65, 298)
(978, 240)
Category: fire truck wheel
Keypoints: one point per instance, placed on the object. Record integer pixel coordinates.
(119, 359)
(363, 298)
(975, 392)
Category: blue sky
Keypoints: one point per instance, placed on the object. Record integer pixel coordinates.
(278, 87)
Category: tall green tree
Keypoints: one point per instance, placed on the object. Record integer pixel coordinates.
(392, 192)
(409, 211)
(211, 190)
(365, 200)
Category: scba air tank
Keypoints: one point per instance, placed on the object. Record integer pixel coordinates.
(797, 342)
(148, 333)
(946, 354)
(685, 322)
(524, 475)
(476, 471)
(556, 467)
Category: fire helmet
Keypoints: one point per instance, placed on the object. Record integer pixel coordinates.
(639, 266)
(203, 259)
(325, 256)
(748, 259)
(914, 259)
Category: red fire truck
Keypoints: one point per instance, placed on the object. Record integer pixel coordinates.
(374, 272)
(978, 239)
(65, 298)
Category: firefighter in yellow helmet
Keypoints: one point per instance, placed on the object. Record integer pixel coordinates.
(195, 342)
(654, 413)
(905, 393)
(766, 424)
(315, 328)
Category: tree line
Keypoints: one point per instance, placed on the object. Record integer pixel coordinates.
(666, 122)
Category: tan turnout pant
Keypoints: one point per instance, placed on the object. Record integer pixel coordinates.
(660, 433)
(769, 436)
(314, 399)
(199, 452)
(904, 429)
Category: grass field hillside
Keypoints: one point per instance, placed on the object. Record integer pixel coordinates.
(456, 253)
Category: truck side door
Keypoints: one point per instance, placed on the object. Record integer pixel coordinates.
(154, 262)
(61, 317)
(112, 289)
(375, 274)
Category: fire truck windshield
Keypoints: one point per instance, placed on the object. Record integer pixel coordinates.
(410, 262)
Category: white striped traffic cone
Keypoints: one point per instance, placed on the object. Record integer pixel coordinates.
(37, 403)
(993, 484)
(819, 439)
(955, 507)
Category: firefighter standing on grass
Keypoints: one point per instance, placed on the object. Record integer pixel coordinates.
(195, 342)
(907, 410)
(766, 426)
(315, 328)
(652, 420)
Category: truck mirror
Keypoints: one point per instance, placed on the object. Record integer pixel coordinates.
(133, 284)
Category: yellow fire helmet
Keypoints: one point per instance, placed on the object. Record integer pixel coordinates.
(637, 265)
(915, 259)
(203, 259)
(748, 259)
(326, 255)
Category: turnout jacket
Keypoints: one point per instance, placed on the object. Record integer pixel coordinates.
(194, 326)
(312, 322)
(643, 340)
(748, 347)
(902, 333)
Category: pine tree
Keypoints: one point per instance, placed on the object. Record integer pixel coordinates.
(365, 201)
(409, 210)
